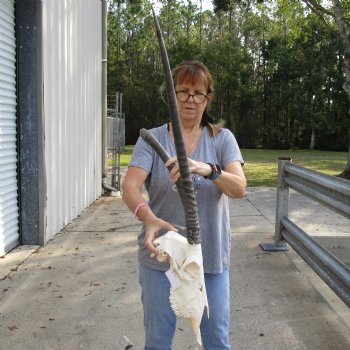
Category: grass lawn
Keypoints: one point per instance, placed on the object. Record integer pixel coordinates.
(126, 155)
(261, 165)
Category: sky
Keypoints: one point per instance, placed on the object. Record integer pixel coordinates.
(207, 4)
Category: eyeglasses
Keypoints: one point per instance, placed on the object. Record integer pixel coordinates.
(184, 96)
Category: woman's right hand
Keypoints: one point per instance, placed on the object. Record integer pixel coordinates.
(153, 226)
(132, 185)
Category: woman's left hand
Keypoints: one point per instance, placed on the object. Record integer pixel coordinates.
(232, 181)
(194, 166)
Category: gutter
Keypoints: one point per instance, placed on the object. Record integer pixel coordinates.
(107, 189)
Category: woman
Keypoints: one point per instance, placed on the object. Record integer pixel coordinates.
(215, 163)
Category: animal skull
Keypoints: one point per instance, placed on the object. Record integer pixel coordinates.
(188, 295)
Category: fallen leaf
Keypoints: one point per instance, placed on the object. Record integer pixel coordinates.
(130, 344)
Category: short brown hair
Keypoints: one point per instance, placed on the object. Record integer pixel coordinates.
(191, 72)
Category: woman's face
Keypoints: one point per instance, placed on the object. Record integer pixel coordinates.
(189, 110)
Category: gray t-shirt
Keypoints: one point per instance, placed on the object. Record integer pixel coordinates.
(212, 203)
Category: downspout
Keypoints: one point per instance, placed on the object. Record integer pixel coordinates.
(42, 184)
(108, 189)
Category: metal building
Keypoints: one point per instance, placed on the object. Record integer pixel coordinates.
(51, 93)
(71, 71)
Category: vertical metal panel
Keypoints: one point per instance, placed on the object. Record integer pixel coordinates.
(9, 233)
(72, 108)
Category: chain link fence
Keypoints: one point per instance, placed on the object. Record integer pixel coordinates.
(115, 138)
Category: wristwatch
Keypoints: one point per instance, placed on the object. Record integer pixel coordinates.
(215, 172)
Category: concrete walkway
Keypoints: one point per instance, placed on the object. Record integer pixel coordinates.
(81, 290)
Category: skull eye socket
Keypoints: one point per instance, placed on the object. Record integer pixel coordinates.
(191, 269)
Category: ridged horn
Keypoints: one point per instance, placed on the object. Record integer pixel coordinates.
(186, 188)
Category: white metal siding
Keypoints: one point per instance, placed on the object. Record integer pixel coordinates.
(9, 235)
(72, 53)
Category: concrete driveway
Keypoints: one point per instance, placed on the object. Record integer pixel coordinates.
(81, 290)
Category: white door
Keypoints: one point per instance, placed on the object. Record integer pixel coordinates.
(9, 232)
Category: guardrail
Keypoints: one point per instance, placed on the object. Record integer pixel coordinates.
(330, 191)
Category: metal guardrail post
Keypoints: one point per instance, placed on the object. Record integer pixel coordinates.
(282, 202)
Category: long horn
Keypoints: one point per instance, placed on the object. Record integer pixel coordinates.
(148, 137)
(187, 193)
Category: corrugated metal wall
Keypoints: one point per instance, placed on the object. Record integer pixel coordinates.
(72, 52)
(9, 235)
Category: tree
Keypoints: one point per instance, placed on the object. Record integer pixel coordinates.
(338, 14)
(277, 68)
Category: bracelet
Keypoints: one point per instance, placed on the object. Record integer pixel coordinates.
(138, 207)
(215, 172)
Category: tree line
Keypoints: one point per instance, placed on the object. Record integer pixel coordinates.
(277, 67)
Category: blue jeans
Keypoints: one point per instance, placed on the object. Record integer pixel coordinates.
(160, 320)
